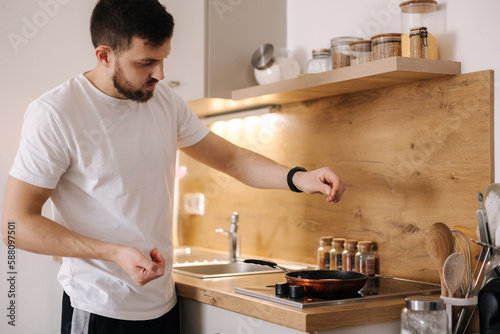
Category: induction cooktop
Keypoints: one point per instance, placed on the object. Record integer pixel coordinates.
(377, 287)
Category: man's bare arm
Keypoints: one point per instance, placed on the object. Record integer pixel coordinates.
(35, 233)
(258, 171)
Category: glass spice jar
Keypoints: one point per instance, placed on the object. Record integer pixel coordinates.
(386, 45)
(349, 255)
(341, 53)
(325, 246)
(424, 314)
(321, 61)
(365, 259)
(336, 253)
(361, 52)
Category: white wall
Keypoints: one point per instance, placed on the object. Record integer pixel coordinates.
(50, 43)
(54, 45)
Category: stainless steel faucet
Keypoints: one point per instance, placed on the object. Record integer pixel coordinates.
(234, 238)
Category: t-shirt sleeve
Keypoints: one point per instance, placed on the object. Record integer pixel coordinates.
(42, 156)
(190, 129)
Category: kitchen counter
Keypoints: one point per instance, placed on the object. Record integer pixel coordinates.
(220, 292)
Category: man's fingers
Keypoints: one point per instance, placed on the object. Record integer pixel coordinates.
(156, 256)
(158, 259)
(142, 269)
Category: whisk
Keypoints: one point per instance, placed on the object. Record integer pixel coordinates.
(462, 247)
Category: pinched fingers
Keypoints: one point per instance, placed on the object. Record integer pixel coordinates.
(157, 258)
(337, 187)
(322, 181)
(141, 269)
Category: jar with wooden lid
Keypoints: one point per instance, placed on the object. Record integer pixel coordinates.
(321, 61)
(341, 53)
(325, 246)
(361, 52)
(365, 259)
(336, 253)
(386, 45)
(349, 255)
(419, 13)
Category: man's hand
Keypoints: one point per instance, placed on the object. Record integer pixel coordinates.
(320, 181)
(136, 264)
(23, 204)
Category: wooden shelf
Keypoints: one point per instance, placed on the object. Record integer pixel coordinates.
(214, 106)
(376, 74)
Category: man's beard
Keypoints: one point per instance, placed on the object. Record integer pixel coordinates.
(124, 87)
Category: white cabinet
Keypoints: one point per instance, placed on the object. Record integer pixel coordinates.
(186, 62)
(202, 318)
(214, 40)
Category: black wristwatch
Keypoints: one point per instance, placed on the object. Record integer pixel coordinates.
(289, 178)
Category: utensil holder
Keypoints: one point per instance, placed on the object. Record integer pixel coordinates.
(462, 303)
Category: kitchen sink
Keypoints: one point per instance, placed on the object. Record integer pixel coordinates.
(195, 255)
(222, 269)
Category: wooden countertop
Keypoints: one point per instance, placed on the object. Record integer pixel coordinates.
(220, 292)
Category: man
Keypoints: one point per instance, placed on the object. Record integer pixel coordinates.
(102, 147)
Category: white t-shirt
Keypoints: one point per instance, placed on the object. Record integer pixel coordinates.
(111, 163)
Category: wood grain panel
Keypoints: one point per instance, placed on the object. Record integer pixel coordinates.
(411, 155)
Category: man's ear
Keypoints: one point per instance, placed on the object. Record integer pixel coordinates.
(104, 55)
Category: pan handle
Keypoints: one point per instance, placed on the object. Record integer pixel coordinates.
(267, 263)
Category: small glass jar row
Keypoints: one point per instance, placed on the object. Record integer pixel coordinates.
(349, 51)
(347, 255)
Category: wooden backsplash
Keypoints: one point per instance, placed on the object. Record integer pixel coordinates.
(410, 155)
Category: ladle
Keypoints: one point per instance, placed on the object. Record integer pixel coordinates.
(440, 245)
(454, 270)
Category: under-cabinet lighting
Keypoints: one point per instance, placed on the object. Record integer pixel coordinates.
(236, 114)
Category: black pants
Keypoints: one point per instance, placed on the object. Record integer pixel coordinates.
(169, 323)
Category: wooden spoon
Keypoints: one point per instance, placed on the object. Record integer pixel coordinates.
(440, 245)
(454, 272)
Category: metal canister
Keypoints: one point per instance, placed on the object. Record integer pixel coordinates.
(424, 314)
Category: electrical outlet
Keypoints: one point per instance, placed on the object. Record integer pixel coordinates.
(194, 204)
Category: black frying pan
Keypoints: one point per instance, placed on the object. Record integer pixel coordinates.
(321, 283)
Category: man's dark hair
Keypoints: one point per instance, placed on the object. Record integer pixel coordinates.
(115, 22)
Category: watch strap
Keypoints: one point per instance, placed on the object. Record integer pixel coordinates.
(289, 178)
